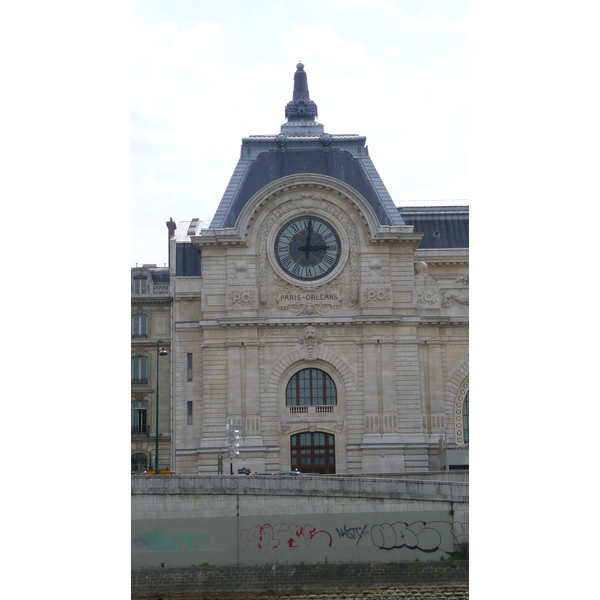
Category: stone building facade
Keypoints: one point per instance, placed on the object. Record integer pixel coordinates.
(312, 312)
(151, 315)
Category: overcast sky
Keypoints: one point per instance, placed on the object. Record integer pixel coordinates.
(205, 74)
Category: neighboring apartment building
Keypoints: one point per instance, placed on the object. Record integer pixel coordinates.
(151, 305)
(326, 322)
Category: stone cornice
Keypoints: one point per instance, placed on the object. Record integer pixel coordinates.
(149, 343)
(444, 321)
(166, 300)
(312, 320)
(443, 256)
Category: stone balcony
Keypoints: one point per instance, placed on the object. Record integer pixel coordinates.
(311, 410)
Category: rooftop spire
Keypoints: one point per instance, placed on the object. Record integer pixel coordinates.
(301, 107)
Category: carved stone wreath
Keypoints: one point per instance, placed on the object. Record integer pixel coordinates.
(427, 297)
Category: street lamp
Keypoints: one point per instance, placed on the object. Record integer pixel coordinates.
(159, 352)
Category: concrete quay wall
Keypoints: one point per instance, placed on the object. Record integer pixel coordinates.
(191, 520)
(427, 579)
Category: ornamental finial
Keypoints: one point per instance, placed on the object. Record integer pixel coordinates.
(301, 108)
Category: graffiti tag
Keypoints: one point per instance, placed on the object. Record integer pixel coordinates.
(420, 535)
(353, 533)
(282, 535)
(168, 541)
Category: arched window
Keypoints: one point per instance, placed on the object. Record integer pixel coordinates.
(313, 452)
(140, 328)
(310, 387)
(140, 370)
(139, 462)
(139, 417)
(465, 412)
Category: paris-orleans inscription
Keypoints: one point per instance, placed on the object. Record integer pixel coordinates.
(296, 300)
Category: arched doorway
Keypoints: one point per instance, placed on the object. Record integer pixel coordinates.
(313, 452)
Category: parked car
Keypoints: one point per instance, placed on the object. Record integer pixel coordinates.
(289, 474)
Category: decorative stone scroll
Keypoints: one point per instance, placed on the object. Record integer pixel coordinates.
(455, 295)
(451, 299)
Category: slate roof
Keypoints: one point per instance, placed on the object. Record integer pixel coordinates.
(443, 226)
(303, 147)
(161, 276)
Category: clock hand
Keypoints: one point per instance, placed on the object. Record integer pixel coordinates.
(309, 232)
(315, 248)
(306, 248)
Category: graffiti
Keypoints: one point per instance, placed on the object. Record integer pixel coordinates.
(424, 536)
(167, 541)
(354, 533)
(420, 535)
(282, 535)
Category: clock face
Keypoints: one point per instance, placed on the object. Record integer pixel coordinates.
(307, 248)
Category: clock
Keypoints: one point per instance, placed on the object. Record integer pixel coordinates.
(307, 248)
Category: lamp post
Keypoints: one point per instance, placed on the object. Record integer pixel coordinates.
(159, 352)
